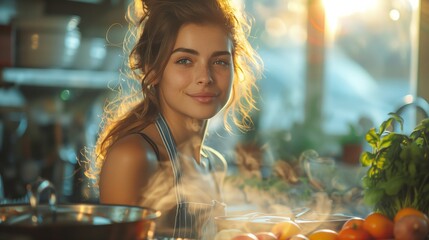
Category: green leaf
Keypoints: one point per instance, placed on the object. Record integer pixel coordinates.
(393, 186)
(367, 159)
(386, 141)
(425, 191)
(373, 196)
(417, 152)
(373, 172)
(421, 128)
(381, 160)
(419, 141)
(366, 182)
(405, 154)
(412, 169)
(384, 125)
(398, 118)
(389, 123)
(372, 138)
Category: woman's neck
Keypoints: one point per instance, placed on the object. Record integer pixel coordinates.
(188, 134)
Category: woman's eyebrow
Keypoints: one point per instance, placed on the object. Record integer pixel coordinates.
(221, 53)
(185, 50)
(194, 52)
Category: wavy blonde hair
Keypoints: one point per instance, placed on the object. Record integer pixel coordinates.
(154, 26)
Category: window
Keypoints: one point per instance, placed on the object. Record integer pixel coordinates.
(367, 69)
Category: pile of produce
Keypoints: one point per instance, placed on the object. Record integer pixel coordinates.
(395, 187)
(407, 224)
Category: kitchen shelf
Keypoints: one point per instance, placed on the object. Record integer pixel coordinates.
(59, 77)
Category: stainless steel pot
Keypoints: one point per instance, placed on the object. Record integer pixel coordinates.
(77, 221)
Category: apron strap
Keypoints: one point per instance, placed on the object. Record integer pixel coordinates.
(170, 145)
(182, 219)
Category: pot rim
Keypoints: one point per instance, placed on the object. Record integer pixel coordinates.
(8, 211)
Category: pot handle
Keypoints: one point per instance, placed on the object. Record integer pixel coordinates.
(34, 191)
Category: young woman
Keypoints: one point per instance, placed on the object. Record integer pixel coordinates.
(192, 61)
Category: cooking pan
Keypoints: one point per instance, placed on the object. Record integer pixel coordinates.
(77, 221)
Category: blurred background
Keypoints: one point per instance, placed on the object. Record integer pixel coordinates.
(333, 70)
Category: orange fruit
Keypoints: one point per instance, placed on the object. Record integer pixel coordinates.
(284, 230)
(354, 234)
(379, 226)
(354, 223)
(323, 234)
(410, 211)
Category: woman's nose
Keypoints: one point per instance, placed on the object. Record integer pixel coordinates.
(204, 75)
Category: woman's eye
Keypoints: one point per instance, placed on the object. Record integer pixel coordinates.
(221, 62)
(183, 61)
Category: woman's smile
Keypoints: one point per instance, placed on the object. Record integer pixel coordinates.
(204, 97)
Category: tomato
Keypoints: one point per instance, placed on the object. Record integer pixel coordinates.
(379, 226)
(354, 234)
(410, 211)
(298, 237)
(355, 223)
(265, 236)
(323, 234)
(283, 230)
(245, 236)
(411, 227)
(227, 234)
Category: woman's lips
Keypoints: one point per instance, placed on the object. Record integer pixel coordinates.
(204, 97)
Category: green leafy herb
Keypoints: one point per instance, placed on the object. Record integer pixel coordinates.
(398, 168)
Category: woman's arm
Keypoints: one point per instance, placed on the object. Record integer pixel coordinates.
(128, 167)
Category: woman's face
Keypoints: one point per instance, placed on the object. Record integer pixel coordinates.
(198, 78)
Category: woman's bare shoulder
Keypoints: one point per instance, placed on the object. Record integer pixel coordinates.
(132, 147)
(126, 169)
(132, 152)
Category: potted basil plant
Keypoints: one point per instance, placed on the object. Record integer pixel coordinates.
(398, 167)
